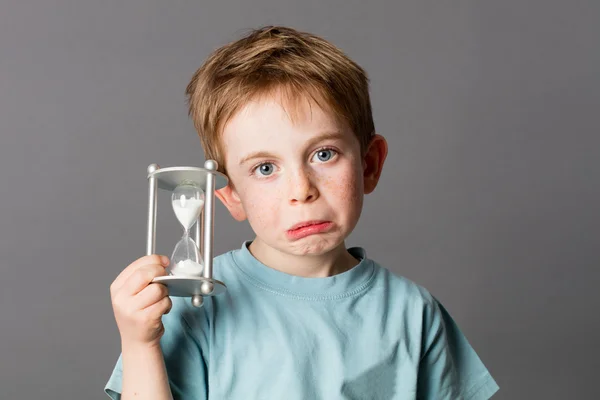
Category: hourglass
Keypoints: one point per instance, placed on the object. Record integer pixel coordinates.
(190, 272)
(187, 200)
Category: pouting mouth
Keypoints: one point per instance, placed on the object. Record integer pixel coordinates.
(305, 224)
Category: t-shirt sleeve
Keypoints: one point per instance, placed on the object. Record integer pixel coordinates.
(449, 367)
(113, 386)
(184, 350)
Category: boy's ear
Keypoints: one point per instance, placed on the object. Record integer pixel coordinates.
(373, 162)
(231, 200)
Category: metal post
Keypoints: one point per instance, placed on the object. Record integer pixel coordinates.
(209, 214)
(152, 200)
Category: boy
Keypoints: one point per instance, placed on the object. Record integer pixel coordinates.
(287, 116)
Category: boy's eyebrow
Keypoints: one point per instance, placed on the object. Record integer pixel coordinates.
(257, 154)
(324, 136)
(329, 135)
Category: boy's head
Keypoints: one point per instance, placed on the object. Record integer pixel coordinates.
(288, 117)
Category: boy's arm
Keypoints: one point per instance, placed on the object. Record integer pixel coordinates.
(156, 337)
(144, 373)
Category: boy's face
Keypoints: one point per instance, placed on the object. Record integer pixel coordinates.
(300, 183)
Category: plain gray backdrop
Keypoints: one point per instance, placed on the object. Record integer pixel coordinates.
(490, 196)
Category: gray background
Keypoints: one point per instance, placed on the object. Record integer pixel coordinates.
(490, 196)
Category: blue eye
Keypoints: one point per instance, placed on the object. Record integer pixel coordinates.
(325, 155)
(265, 169)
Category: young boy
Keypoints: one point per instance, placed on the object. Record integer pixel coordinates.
(287, 116)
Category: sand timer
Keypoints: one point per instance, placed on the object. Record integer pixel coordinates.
(190, 272)
(187, 200)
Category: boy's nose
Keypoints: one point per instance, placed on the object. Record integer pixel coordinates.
(302, 189)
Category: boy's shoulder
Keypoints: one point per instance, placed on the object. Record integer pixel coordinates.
(400, 285)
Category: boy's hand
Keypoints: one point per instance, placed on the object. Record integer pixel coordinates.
(138, 304)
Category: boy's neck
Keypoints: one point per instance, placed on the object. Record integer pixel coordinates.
(329, 264)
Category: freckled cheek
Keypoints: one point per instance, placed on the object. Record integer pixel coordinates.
(262, 208)
(350, 193)
(348, 189)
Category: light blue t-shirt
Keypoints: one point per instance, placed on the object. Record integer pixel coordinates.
(362, 334)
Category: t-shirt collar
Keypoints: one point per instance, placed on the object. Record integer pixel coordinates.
(344, 284)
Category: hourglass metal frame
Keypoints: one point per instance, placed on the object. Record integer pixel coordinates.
(209, 179)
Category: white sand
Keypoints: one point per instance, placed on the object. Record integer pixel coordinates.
(187, 268)
(187, 210)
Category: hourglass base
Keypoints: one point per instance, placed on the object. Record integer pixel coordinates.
(191, 286)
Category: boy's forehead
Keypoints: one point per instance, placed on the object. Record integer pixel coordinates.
(279, 106)
(264, 117)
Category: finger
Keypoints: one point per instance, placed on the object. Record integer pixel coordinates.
(150, 295)
(131, 269)
(141, 278)
(134, 266)
(158, 309)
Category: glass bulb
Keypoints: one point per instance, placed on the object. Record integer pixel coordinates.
(187, 200)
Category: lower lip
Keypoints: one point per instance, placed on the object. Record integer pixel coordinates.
(309, 230)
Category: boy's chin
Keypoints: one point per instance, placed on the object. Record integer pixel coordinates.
(315, 245)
